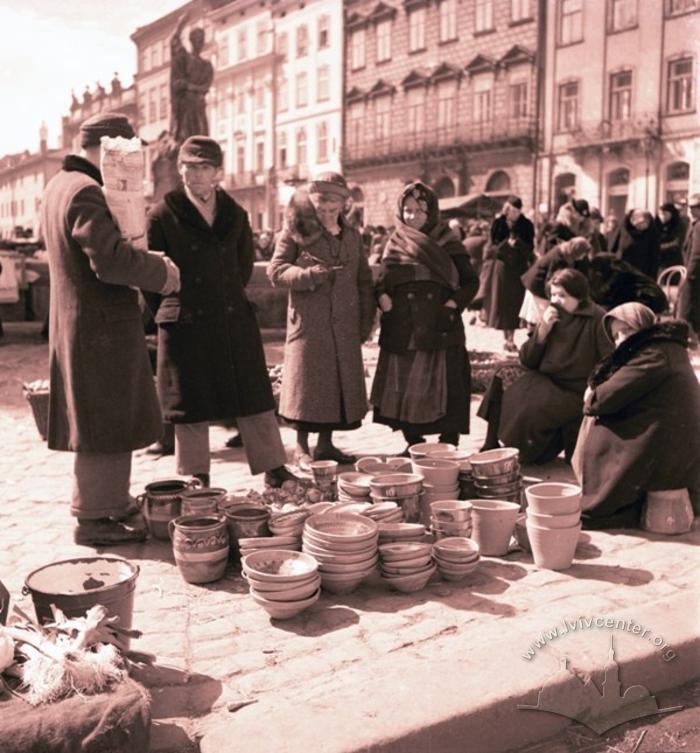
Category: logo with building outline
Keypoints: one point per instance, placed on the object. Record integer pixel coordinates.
(575, 697)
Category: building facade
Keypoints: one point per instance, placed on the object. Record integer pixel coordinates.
(445, 92)
(621, 124)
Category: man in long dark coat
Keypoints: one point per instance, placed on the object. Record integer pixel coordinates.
(689, 294)
(102, 401)
(211, 363)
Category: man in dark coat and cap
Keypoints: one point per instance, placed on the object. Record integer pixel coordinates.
(211, 362)
(102, 401)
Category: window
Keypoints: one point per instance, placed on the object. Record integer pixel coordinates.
(677, 182)
(301, 146)
(357, 49)
(384, 40)
(221, 109)
(482, 107)
(570, 21)
(517, 99)
(302, 95)
(356, 118)
(447, 106)
(322, 142)
(302, 41)
(676, 7)
(153, 105)
(621, 95)
(166, 51)
(623, 15)
(240, 102)
(259, 97)
(680, 86)
(143, 105)
(163, 101)
(242, 43)
(145, 61)
(568, 106)
(448, 20)
(259, 156)
(282, 95)
(382, 118)
(323, 90)
(155, 56)
(416, 30)
(416, 110)
(519, 10)
(223, 51)
(484, 15)
(282, 44)
(324, 24)
(240, 159)
(261, 38)
(282, 149)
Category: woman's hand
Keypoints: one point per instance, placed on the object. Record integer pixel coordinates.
(549, 318)
(385, 303)
(450, 304)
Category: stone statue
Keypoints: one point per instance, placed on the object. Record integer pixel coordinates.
(164, 166)
(116, 85)
(190, 78)
(87, 96)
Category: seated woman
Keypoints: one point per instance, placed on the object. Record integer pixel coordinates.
(643, 404)
(422, 382)
(540, 412)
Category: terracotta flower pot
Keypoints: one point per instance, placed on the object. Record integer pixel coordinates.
(553, 548)
(553, 498)
(493, 521)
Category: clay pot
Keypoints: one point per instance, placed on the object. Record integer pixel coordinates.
(200, 547)
(247, 521)
(554, 521)
(203, 501)
(436, 472)
(553, 498)
(162, 502)
(552, 548)
(493, 521)
(668, 511)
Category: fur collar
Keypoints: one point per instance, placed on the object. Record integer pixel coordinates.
(301, 222)
(228, 214)
(673, 331)
(72, 163)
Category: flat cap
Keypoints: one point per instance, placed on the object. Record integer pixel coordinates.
(201, 149)
(104, 124)
(330, 182)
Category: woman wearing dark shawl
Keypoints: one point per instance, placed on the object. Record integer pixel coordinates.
(422, 383)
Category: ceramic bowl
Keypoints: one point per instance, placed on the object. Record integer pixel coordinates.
(381, 508)
(403, 551)
(346, 568)
(374, 466)
(279, 564)
(285, 610)
(457, 547)
(265, 586)
(401, 530)
(358, 508)
(287, 531)
(268, 542)
(423, 449)
(396, 485)
(341, 527)
(410, 583)
(406, 567)
(451, 510)
(320, 507)
(437, 472)
(456, 528)
(313, 544)
(455, 572)
(321, 554)
(553, 498)
(554, 521)
(354, 482)
(503, 460)
(337, 583)
(298, 592)
(289, 519)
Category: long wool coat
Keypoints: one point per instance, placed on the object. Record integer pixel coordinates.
(211, 363)
(102, 395)
(323, 379)
(645, 437)
(542, 410)
(689, 294)
(641, 248)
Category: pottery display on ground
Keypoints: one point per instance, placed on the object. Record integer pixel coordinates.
(200, 546)
(493, 522)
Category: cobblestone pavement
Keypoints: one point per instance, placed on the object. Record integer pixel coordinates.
(369, 671)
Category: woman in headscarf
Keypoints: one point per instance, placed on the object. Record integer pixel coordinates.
(422, 382)
(637, 242)
(540, 412)
(643, 409)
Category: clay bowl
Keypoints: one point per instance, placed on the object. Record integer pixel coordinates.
(406, 567)
(343, 583)
(554, 521)
(346, 568)
(354, 483)
(375, 466)
(403, 551)
(456, 548)
(358, 508)
(553, 498)
(282, 565)
(452, 572)
(423, 449)
(265, 586)
(323, 556)
(495, 462)
(268, 542)
(460, 528)
(451, 510)
(401, 530)
(442, 473)
(341, 527)
(352, 547)
(396, 485)
(410, 583)
(298, 592)
(285, 610)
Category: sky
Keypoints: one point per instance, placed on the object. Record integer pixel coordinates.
(52, 46)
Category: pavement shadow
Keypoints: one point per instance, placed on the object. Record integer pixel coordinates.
(623, 576)
(586, 549)
(319, 620)
(175, 693)
(176, 737)
(501, 569)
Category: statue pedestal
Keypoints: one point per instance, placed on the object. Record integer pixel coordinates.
(165, 174)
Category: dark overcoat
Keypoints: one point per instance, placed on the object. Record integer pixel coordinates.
(689, 293)
(645, 437)
(672, 236)
(211, 363)
(102, 396)
(641, 248)
(323, 379)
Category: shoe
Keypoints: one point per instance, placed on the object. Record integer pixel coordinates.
(235, 441)
(335, 454)
(203, 478)
(158, 448)
(511, 347)
(133, 510)
(302, 459)
(277, 476)
(106, 532)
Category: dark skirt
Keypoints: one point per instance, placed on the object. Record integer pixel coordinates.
(314, 428)
(456, 418)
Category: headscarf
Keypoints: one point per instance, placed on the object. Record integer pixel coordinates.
(427, 250)
(576, 246)
(635, 315)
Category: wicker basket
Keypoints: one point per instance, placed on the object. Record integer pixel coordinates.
(39, 400)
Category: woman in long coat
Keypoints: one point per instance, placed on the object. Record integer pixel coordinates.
(540, 412)
(319, 257)
(637, 242)
(644, 407)
(422, 383)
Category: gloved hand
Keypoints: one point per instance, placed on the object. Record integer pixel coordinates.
(172, 279)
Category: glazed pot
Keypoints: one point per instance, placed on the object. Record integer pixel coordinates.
(668, 511)
(499, 462)
(200, 547)
(452, 510)
(203, 501)
(162, 502)
(246, 521)
(493, 521)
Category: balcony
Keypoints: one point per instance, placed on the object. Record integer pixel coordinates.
(293, 174)
(459, 138)
(246, 179)
(642, 129)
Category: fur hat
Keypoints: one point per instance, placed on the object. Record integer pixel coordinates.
(330, 182)
(111, 124)
(201, 149)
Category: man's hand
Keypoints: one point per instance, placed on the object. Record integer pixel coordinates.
(320, 273)
(172, 279)
(385, 303)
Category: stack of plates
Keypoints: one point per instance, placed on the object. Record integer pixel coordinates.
(345, 546)
(401, 532)
(250, 545)
(451, 517)
(283, 582)
(456, 557)
(403, 488)
(353, 487)
(406, 566)
(384, 512)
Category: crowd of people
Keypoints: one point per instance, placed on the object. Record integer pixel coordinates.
(595, 346)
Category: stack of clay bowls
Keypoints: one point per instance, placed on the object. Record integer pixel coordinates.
(403, 488)
(440, 477)
(456, 557)
(384, 512)
(391, 533)
(496, 474)
(406, 566)
(353, 486)
(451, 517)
(376, 465)
(283, 582)
(249, 545)
(289, 524)
(467, 490)
(345, 546)
(553, 523)
(423, 449)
